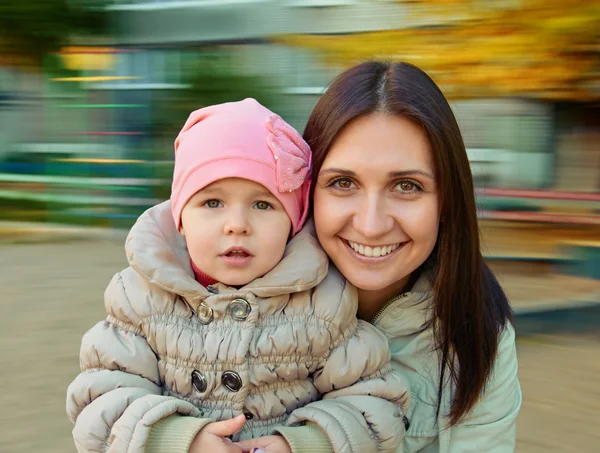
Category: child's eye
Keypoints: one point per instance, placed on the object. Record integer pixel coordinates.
(341, 183)
(262, 205)
(213, 204)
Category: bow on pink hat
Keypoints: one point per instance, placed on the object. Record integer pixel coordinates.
(242, 140)
(291, 153)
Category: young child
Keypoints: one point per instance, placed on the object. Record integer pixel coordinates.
(229, 310)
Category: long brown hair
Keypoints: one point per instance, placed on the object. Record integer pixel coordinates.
(470, 308)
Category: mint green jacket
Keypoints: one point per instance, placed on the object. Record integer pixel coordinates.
(491, 426)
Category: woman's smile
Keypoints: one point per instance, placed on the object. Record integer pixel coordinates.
(374, 253)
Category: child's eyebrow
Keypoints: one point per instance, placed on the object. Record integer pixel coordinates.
(262, 193)
(252, 193)
(210, 190)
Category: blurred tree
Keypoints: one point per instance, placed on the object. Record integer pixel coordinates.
(545, 49)
(209, 79)
(29, 29)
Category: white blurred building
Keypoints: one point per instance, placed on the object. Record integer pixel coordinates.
(510, 141)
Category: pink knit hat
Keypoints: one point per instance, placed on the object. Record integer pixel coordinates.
(242, 140)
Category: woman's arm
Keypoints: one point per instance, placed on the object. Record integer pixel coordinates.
(491, 426)
(363, 400)
(363, 403)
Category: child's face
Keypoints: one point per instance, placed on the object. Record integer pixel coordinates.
(236, 230)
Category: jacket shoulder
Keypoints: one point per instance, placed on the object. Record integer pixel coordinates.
(335, 299)
(130, 298)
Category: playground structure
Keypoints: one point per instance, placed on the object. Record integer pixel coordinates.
(95, 168)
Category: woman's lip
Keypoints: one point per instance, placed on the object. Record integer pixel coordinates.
(372, 259)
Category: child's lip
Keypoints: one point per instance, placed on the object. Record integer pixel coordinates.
(238, 249)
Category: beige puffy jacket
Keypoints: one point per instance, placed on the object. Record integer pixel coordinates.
(286, 349)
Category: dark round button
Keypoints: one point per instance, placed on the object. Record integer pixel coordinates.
(406, 423)
(248, 415)
(199, 381)
(231, 381)
(239, 309)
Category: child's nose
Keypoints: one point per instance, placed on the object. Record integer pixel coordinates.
(238, 223)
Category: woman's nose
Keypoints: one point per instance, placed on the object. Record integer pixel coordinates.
(372, 219)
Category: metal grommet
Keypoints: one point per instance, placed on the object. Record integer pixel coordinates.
(199, 381)
(231, 381)
(239, 309)
(205, 314)
(248, 415)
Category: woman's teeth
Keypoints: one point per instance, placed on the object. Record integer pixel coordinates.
(366, 250)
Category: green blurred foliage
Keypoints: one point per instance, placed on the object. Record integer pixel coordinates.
(210, 79)
(29, 29)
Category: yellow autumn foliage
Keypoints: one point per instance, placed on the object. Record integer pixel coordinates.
(475, 48)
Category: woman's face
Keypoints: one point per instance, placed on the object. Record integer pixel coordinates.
(376, 203)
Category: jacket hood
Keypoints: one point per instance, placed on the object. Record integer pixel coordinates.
(157, 251)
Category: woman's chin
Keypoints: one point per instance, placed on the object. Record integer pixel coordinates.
(365, 281)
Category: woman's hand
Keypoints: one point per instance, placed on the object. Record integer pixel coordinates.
(212, 438)
(269, 444)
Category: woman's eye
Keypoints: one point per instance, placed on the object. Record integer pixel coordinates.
(342, 183)
(262, 205)
(408, 186)
(212, 204)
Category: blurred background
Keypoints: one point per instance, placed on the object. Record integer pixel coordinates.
(93, 93)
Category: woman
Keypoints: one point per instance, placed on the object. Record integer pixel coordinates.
(394, 209)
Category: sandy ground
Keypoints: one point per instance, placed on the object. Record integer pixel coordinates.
(52, 293)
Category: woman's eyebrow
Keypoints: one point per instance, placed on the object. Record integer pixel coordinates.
(339, 171)
(391, 175)
(404, 173)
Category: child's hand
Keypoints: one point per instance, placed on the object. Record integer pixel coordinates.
(212, 438)
(269, 444)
